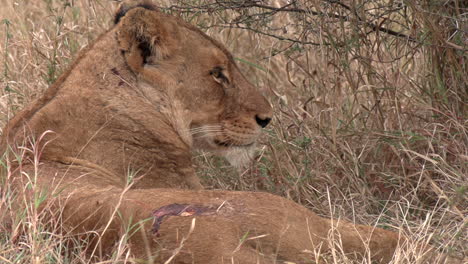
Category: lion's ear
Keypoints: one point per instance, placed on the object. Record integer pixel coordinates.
(126, 5)
(144, 36)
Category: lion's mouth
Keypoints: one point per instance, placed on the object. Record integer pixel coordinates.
(216, 138)
(229, 144)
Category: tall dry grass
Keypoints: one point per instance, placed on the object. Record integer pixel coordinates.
(368, 126)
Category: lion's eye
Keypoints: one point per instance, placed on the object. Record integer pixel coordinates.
(217, 73)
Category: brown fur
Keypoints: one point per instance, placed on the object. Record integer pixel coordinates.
(138, 101)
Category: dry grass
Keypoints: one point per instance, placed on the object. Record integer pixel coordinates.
(374, 131)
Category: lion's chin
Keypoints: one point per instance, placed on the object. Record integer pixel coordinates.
(238, 156)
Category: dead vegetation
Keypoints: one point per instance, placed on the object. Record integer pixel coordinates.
(370, 107)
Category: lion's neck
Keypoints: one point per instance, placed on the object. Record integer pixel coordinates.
(133, 142)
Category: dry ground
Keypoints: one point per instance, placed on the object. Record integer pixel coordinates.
(368, 126)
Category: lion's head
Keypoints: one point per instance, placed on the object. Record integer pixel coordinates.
(217, 108)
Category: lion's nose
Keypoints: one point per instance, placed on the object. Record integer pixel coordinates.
(262, 121)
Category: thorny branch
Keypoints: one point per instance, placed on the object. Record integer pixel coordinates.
(254, 15)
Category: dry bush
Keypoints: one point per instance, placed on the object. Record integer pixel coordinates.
(370, 104)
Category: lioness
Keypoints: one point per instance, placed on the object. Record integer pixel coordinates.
(116, 131)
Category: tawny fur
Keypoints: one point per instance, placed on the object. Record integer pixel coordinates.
(139, 100)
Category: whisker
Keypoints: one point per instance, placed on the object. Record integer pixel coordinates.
(207, 129)
(216, 125)
(208, 135)
(203, 129)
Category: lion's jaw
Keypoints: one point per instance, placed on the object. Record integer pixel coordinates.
(209, 138)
